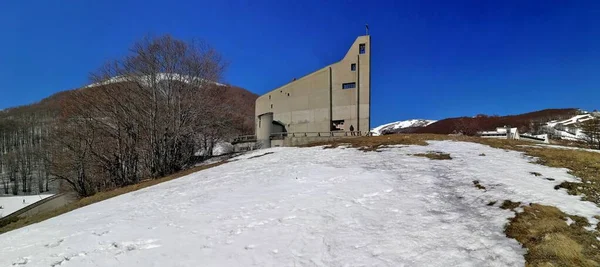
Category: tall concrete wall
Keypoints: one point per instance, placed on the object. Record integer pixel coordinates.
(264, 128)
(305, 140)
(313, 102)
(45, 205)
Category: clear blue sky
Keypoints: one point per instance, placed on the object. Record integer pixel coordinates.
(431, 59)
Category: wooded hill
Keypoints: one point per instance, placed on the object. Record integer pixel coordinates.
(527, 122)
(163, 108)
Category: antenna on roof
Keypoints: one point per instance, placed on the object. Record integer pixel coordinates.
(367, 28)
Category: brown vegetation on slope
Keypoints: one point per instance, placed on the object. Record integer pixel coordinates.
(100, 137)
(471, 125)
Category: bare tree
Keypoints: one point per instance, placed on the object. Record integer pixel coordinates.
(591, 129)
(172, 85)
(143, 116)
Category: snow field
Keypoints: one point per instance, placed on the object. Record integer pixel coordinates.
(309, 207)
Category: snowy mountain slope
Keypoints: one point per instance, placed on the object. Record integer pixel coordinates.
(379, 130)
(573, 120)
(149, 78)
(570, 129)
(309, 207)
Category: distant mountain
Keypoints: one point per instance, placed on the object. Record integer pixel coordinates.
(400, 126)
(527, 122)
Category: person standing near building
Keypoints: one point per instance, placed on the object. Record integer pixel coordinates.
(352, 129)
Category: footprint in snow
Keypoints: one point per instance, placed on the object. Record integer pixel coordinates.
(55, 244)
(127, 246)
(21, 261)
(68, 258)
(101, 233)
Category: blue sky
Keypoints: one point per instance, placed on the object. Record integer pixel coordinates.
(431, 59)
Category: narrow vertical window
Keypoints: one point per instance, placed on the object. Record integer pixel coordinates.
(353, 67)
(271, 105)
(361, 48)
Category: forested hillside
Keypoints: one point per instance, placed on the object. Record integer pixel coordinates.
(143, 116)
(527, 122)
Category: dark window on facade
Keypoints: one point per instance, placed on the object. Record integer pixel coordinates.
(337, 125)
(288, 94)
(353, 67)
(361, 48)
(271, 105)
(269, 96)
(348, 85)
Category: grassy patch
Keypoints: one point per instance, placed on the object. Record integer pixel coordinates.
(477, 184)
(97, 198)
(550, 241)
(509, 205)
(434, 155)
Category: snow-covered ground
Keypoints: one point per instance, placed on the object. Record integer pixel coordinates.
(401, 125)
(575, 119)
(148, 79)
(11, 204)
(309, 207)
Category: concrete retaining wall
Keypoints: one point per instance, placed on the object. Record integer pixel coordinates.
(44, 205)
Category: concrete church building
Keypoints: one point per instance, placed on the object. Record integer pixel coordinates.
(335, 98)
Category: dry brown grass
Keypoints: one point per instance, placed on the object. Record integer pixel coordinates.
(479, 186)
(434, 155)
(509, 205)
(99, 197)
(551, 241)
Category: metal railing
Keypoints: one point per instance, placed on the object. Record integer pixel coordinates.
(244, 139)
(282, 135)
(319, 134)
